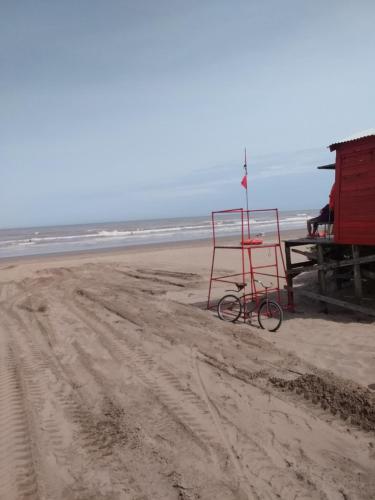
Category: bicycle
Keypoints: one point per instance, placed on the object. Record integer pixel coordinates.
(270, 314)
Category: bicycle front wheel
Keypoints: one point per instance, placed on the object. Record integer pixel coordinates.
(270, 315)
(229, 308)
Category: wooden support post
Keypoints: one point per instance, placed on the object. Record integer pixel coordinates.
(322, 276)
(305, 253)
(333, 265)
(357, 273)
(289, 277)
(341, 303)
(368, 274)
(357, 267)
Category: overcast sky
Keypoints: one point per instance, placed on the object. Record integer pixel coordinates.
(133, 109)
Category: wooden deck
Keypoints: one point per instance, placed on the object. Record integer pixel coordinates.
(320, 261)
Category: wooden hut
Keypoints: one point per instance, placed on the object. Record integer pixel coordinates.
(347, 258)
(355, 189)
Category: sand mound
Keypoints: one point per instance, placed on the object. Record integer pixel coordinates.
(348, 401)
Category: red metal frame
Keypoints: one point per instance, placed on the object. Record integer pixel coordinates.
(253, 270)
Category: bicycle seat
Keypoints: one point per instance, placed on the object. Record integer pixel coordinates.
(240, 286)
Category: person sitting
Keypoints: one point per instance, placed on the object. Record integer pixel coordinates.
(326, 215)
(332, 197)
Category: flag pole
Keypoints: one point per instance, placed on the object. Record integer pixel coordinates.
(247, 197)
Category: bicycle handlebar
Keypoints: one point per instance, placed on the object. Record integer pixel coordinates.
(241, 286)
(261, 283)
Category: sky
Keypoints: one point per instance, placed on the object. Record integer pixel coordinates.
(116, 110)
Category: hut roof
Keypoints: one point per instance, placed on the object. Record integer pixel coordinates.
(355, 137)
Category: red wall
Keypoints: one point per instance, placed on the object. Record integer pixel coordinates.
(355, 192)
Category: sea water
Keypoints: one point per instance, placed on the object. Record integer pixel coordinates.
(82, 237)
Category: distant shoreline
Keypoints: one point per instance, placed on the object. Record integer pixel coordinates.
(82, 239)
(145, 247)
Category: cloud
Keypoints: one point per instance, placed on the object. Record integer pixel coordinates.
(212, 179)
(287, 180)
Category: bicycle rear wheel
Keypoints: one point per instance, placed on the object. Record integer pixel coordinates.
(229, 308)
(270, 315)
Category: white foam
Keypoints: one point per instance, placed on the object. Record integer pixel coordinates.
(101, 237)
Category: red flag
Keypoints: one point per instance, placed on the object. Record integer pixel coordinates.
(244, 181)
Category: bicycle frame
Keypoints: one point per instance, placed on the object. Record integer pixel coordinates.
(231, 307)
(250, 299)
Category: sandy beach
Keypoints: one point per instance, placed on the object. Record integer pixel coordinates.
(116, 384)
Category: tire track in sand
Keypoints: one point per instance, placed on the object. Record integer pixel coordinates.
(103, 340)
(185, 406)
(38, 367)
(263, 471)
(9, 289)
(18, 477)
(194, 412)
(268, 477)
(43, 410)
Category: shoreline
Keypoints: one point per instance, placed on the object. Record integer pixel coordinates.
(137, 248)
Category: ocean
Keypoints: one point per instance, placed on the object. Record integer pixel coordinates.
(83, 237)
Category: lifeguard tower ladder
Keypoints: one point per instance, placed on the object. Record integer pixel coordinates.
(244, 223)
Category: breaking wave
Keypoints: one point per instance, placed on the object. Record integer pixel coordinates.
(108, 235)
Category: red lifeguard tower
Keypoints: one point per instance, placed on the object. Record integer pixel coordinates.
(246, 245)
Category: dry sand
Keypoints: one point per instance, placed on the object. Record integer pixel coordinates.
(114, 386)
